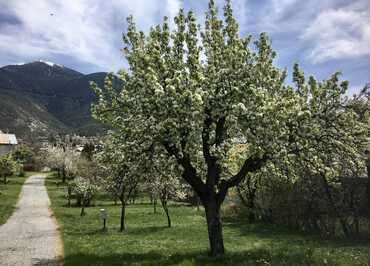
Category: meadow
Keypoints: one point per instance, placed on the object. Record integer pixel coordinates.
(9, 194)
(148, 241)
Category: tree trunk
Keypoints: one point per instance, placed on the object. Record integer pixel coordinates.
(155, 205)
(83, 207)
(214, 225)
(198, 204)
(64, 175)
(165, 208)
(69, 195)
(123, 212)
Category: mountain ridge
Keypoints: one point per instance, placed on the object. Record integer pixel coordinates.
(41, 98)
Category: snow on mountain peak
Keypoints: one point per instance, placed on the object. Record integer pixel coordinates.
(40, 61)
(49, 63)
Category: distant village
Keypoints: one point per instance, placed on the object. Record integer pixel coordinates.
(9, 141)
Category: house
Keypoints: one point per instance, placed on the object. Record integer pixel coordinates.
(7, 143)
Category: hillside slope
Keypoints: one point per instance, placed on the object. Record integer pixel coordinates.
(25, 117)
(42, 97)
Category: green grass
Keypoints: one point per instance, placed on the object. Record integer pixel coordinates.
(147, 240)
(9, 194)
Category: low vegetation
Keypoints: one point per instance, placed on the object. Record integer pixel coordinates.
(148, 241)
(9, 194)
(12, 177)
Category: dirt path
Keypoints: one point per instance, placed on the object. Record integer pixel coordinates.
(30, 236)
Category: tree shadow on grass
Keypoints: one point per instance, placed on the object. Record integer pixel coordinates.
(137, 231)
(146, 230)
(283, 235)
(253, 257)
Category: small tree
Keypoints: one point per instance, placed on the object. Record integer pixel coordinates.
(63, 159)
(7, 167)
(119, 176)
(85, 185)
(164, 181)
(23, 154)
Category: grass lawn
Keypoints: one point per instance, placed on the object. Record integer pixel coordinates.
(147, 240)
(9, 195)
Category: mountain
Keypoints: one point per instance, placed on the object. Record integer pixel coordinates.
(41, 97)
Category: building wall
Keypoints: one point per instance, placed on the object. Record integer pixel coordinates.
(5, 149)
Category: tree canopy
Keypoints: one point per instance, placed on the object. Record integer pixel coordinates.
(195, 93)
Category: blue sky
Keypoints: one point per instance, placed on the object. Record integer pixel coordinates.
(324, 36)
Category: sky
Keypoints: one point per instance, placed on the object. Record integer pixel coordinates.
(323, 36)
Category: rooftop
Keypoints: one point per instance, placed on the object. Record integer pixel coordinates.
(8, 139)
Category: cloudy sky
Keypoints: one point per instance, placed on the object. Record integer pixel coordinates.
(324, 36)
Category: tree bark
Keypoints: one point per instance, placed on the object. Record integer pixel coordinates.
(165, 208)
(123, 212)
(83, 208)
(69, 195)
(155, 205)
(214, 225)
(64, 175)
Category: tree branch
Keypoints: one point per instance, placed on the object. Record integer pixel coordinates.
(220, 131)
(250, 165)
(189, 173)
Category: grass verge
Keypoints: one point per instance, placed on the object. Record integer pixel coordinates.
(9, 194)
(147, 240)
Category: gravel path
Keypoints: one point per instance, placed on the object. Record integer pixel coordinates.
(30, 236)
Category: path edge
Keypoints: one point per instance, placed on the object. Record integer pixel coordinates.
(60, 244)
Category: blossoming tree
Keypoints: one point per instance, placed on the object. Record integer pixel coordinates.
(196, 93)
(163, 181)
(118, 175)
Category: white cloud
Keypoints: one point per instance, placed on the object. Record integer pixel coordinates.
(281, 6)
(173, 7)
(89, 31)
(241, 11)
(322, 30)
(339, 33)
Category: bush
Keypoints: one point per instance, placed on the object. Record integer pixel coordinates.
(23, 154)
(25, 157)
(8, 167)
(310, 204)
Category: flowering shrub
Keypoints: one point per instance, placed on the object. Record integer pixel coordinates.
(8, 167)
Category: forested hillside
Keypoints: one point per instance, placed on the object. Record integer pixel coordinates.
(43, 97)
